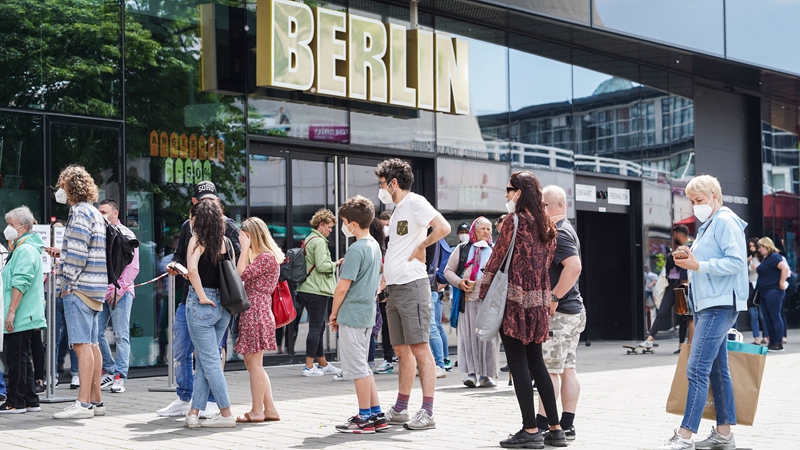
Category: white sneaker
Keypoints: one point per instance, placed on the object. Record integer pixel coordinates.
(487, 382)
(220, 422)
(191, 422)
(211, 410)
(75, 383)
(715, 441)
(471, 381)
(421, 421)
(119, 385)
(646, 344)
(330, 369)
(338, 377)
(99, 409)
(75, 411)
(396, 417)
(175, 409)
(440, 372)
(676, 442)
(313, 372)
(386, 367)
(106, 381)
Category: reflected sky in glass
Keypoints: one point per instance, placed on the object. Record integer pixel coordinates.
(763, 33)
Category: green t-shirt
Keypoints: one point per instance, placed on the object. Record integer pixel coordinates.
(362, 265)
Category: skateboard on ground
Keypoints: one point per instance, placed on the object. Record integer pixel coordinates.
(633, 349)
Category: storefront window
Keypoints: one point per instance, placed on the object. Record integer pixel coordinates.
(21, 165)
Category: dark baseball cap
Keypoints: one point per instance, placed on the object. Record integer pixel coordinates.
(205, 189)
(462, 228)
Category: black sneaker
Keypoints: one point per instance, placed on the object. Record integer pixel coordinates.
(504, 368)
(555, 438)
(356, 425)
(523, 439)
(38, 386)
(570, 433)
(380, 423)
(775, 348)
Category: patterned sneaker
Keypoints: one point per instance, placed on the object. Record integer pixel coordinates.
(397, 417)
(330, 369)
(716, 441)
(313, 372)
(421, 421)
(386, 367)
(106, 381)
(380, 422)
(119, 384)
(676, 442)
(356, 425)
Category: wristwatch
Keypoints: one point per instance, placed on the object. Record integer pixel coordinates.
(553, 298)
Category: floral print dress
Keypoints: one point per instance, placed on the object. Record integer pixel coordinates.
(257, 324)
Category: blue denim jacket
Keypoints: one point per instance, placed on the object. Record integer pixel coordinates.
(721, 250)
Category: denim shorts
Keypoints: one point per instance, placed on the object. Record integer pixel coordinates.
(82, 325)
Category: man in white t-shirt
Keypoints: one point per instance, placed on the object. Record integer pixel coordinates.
(405, 278)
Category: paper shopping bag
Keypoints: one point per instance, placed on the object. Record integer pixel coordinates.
(747, 370)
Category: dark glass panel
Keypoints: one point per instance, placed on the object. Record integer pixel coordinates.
(21, 166)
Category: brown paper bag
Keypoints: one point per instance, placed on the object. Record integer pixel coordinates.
(746, 369)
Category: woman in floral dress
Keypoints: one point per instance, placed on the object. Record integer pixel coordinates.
(259, 268)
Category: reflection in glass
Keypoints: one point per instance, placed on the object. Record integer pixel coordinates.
(413, 131)
(268, 194)
(573, 10)
(316, 122)
(21, 174)
(760, 33)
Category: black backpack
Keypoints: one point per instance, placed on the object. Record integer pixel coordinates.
(119, 252)
(294, 266)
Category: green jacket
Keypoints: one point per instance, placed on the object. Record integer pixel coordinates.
(322, 280)
(24, 272)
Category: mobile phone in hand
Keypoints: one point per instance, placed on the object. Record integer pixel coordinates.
(680, 254)
(180, 268)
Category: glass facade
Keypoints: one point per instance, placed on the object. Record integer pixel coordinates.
(177, 119)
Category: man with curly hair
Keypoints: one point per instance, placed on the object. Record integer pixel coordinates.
(82, 284)
(405, 278)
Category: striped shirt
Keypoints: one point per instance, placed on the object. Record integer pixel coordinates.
(83, 255)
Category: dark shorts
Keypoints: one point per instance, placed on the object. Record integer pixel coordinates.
(408, 311)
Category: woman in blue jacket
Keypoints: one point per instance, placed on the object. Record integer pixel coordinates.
(717, 267)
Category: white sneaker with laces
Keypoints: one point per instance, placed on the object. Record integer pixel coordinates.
(75, 411)
(330, 369)
(119, 385)
(220, 422)
(646, 344)
(75, 383)
(313, 372)
(191, 422)
(106, 381)
(99, 409)
(396, 417)
(487, 382)
(716, 441)
(421, 421)
(211, 410)
(338, 377)
(386, 367)
(175, 409)
(676, 442)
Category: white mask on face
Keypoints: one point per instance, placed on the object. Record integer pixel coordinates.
(386, 230)
(346, 231)
(383, 194)
(10, 233)
(511, 207)
(463, 237)
(703, 212)
(107, 217)
(61, 196)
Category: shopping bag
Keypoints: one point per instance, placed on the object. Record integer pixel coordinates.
(746, 364)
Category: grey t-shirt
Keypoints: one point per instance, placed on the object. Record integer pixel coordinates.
(362, 265)
(568, 245)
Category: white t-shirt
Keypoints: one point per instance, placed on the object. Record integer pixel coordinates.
(407, 228)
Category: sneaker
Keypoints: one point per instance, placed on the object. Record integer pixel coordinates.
(570, 433)
(75, 411)
(219, 421)
(471, 381)
(555, 438)
(38, 386)
(523, 439)
(504, 368)
(313, 372)
(338, 377)
(716, 441)
(3, 398)
(99, 409)
(34, 409)
(175, 409)
(646, 344)
(386, 367)
(356, 425)
(421, 421)
(487, 382)
(440, 372)
(397, 417)
(211, 410)
(330, 368)
(119, 384)
(5, 408)
(191, 422)
(380, 422)
(106, 380)
(75, 383)
(676, 442)
(775, 348)
(448, 364)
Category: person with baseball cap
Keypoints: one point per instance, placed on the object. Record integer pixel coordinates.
(462, 231)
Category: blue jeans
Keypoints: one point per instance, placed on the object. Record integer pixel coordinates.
(182, 351)
(755, 322)
(61, 339)
(435, 340)
(120, 318)
(207, 325)
(771, 305)
(442, 334)
(709, 360)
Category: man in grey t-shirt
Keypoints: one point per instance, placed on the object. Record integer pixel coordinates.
(567, 314)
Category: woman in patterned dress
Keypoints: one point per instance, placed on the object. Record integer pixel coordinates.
(259, 268)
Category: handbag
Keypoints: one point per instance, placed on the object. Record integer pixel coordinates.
(283, 305)
(660, 288)
(231, 288)
(458, 295)
(493, 308)
(681, 305)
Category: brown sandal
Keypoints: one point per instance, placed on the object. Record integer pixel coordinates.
(247, 419)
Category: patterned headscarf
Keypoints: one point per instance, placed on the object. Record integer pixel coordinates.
(475, 262)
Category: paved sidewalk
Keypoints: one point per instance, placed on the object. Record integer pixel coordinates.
(621, 407)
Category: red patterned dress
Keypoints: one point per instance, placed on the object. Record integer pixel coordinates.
(257, 324)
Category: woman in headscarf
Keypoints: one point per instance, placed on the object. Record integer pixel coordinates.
(475, 358)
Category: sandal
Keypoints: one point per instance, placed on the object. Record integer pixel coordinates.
(247, 419)
(271, 419)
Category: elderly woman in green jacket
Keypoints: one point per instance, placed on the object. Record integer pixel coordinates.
(23, 301)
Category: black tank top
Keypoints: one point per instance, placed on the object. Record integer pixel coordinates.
(209, 272)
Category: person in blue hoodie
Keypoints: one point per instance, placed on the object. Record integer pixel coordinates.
(718, 290)
(23, 301)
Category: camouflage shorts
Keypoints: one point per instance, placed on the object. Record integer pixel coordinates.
(560, 349)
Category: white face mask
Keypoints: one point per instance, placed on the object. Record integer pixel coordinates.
(384, 196)
(10, 233)
(511, 207)
(703, 212)
(386, 230)
(463, 237)
(61, 196)
(346, 231)
(107, 217)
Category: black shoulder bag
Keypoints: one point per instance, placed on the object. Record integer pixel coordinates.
(231, 288)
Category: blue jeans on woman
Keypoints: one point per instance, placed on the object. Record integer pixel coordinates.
(708, 360)
(755, 322)
(435, 340)
(207, 325)
(183, 354)
(771, 305)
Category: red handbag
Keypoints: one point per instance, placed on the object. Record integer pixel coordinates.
(283, 305)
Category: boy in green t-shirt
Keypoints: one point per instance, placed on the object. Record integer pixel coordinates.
(353, 314)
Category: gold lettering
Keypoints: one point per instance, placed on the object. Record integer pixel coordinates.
(397, 60)
(283, 54)
(420, 68)
(331, 53)
(452, 74)
(366, 45)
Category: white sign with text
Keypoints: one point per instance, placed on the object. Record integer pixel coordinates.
(617, 196)
(585, 193)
